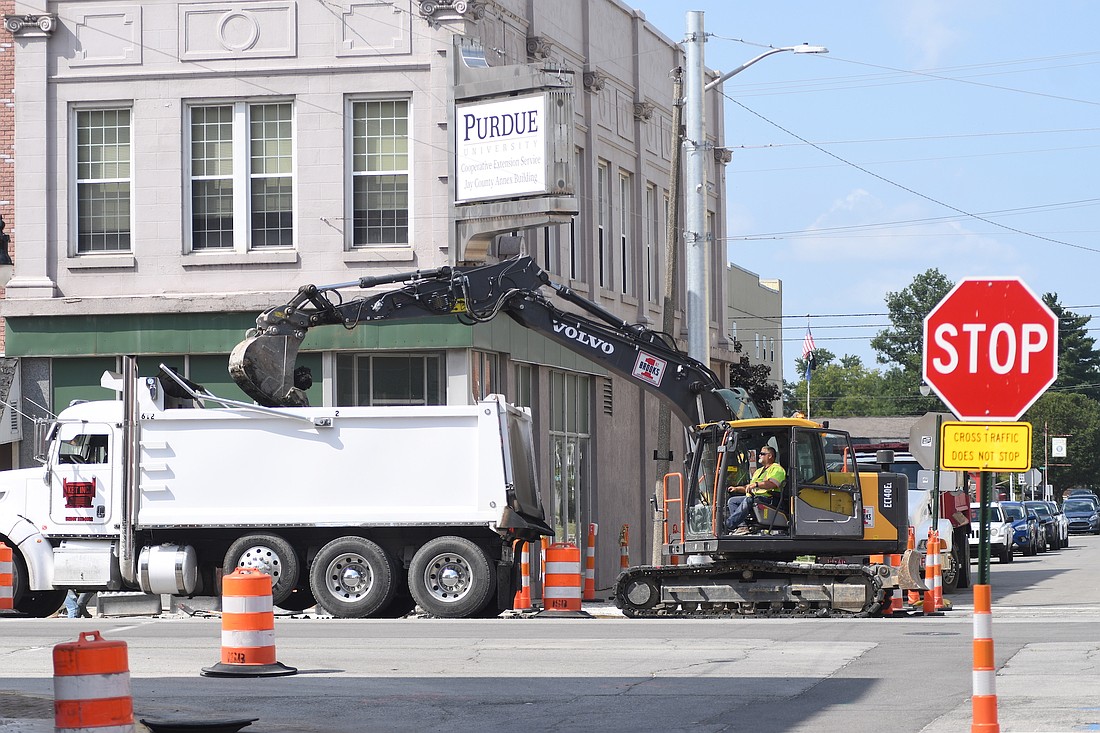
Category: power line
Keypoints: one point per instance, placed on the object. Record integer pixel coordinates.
(910, 190)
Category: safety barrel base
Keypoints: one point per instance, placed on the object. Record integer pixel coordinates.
(551, 613)
(221, 669)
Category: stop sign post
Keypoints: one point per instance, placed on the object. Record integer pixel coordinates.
(990, 349)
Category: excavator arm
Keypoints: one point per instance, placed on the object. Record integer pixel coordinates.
(263, 364)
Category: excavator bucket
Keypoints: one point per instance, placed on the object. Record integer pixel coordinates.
(909, 574)
(263, 367)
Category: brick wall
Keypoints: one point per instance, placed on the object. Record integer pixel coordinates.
(7, 136)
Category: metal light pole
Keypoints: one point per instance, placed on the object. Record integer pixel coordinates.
(695, 174)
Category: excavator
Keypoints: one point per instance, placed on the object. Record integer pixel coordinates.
(807, 554)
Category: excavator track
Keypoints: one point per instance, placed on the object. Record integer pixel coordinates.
(751, 589)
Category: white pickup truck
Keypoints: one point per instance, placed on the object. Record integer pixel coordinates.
(350, 508)
(1001, 534)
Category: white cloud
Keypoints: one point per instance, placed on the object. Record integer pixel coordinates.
(929, 31)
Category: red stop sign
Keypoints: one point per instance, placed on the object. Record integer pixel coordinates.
(990, 348)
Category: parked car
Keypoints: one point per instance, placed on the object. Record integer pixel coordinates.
(1081, 492)
(1082, 514)
(1063, 524)
(1047, 520)
(1027, 534)
(1091, 498)
(1001, 534)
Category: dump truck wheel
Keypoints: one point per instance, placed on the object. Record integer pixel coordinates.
(352, 577)
(35, 603)
(271, 554)
(451, 577)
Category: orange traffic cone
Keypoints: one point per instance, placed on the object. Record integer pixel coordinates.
(590, 564)
(522, 600)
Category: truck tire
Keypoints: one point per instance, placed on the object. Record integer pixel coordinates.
(269, 553)
(1005, 553)
(450, 577)
(352, 577)
(34, 603)
(959, 576)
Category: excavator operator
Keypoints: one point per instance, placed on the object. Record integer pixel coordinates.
(764, 486)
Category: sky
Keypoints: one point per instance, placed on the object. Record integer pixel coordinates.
(959, 136)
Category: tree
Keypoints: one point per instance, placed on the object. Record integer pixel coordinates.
(756, 380)
(839, 388)
(902, 344)
(1078, 360)
(1078, 419)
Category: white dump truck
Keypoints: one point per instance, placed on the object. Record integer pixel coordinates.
(364, 510)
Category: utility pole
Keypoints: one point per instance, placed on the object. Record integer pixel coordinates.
(695, 200)
(668, 304)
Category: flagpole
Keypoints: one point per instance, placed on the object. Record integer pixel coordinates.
(808, 347)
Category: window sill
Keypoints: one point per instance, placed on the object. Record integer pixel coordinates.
(380, 254)
(100, 261)
(254, 257)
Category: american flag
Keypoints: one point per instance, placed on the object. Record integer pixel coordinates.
(808, 351)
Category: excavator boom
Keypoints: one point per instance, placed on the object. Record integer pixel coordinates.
(263, 365)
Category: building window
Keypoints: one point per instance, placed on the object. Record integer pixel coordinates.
(626, 231)
(715, 273)
(103, 180)
(652, 239)
(389, 379)
(551, 249)
(485, 375)
(523, 394)
(602, 214)
(574, 251)
(242, 167)
(570, 444)
(380, 172)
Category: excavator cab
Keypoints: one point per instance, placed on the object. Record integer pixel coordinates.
(822, 496)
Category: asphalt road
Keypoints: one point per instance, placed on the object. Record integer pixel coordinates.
(614, 674)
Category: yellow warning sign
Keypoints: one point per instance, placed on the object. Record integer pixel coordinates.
(978, 446)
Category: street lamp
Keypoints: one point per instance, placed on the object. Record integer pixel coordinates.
(804, 48)
(695, 205)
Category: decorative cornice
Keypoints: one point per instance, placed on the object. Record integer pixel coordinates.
(438, 11)
(643, 111)
(31, 26)
(539, 47)
(723, 155)
(594, 81)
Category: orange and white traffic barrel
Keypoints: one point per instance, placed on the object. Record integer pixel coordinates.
(561, 582)
(7, 582)
(248, 628)
(984, 700)
(91, 686)
(931, 557)
(522, 600)
(937, 574)
(590, 564)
